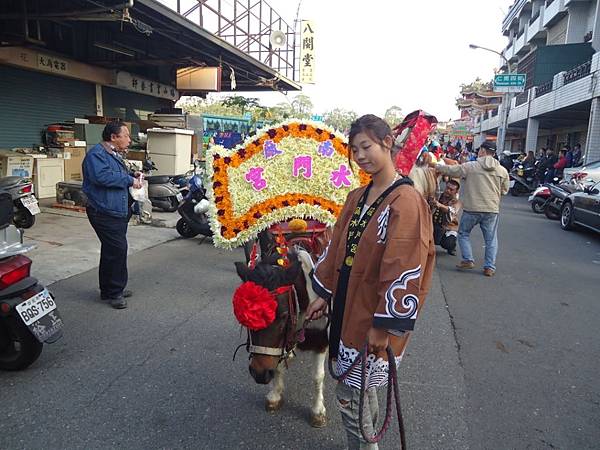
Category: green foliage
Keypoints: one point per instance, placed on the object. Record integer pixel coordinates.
(393, 116)
(477, 86)
(340, 119)
(302, 106)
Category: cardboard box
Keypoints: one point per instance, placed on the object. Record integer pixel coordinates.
(16, 164)
(134, 155)
(73, 160)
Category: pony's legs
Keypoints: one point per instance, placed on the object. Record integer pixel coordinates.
(274, 400)
(319, 418)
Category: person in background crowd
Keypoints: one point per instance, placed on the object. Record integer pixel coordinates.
(529, 160)
(542, 166)
(445, 217)
(552, 160)
(506, 161)
(106, 183)
(577, 155)
(485, 181)
(569, 156)
(424, 178)
(561, 164)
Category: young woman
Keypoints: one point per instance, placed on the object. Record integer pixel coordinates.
(375, 273)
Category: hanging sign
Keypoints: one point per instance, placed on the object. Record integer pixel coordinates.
(49, 63)
(134, 83)
(307, 52)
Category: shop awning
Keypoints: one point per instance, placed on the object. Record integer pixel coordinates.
(148, 39)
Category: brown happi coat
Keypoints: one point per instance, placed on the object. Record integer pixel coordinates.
(389, 278)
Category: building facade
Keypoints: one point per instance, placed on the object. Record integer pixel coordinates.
(555, 43)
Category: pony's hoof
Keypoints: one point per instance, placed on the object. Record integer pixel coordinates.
(271, 407)
(318, 420)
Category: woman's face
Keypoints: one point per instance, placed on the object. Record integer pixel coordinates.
(370, 155)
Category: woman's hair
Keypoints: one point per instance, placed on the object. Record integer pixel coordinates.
(375, 127)
(112, 128)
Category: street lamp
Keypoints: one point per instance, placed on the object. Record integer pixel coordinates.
(506, 99)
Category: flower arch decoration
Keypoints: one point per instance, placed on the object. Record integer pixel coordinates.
(297, 169)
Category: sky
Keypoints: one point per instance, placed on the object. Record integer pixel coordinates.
(373, 54)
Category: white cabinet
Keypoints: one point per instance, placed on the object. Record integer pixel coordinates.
(170, 150)
(47, 173)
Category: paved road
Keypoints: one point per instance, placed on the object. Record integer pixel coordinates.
(160, 375)
(528, 338)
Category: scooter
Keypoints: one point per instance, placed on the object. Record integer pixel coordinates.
(28, 313)
(522, 180)
(163, 193)
(25, 205)
(193, 210)
(538, 199)
(558, 193)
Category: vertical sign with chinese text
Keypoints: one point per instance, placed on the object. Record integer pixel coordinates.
(307, 52)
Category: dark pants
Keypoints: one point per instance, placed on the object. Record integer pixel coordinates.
(440, 238)
(112, 232)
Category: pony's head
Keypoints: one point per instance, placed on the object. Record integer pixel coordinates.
(265, 299)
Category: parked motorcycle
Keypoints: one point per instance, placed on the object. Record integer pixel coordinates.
(538, 199)
(193, 210)
(163, 193)
(25, 205)
(558, 193)
(522, 180)
(28, 314)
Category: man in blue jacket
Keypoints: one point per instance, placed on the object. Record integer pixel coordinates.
(106, 183)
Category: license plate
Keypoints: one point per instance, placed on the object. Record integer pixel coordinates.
(36, 307)
(512, 183)
(179, 197)
(40, 315)
(531, 197)
(31, 203)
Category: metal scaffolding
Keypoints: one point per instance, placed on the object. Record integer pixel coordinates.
(247, 25)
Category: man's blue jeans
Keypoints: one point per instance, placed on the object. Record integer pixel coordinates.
(488, 222)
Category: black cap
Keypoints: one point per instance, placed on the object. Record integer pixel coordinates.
(489, 146)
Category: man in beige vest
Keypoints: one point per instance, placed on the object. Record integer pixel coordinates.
(485, 181)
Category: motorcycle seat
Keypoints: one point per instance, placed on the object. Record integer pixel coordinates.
(158, 179)
(9, 181)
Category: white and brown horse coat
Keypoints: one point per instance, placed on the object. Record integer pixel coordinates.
(315, 337)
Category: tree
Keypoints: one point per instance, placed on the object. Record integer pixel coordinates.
(302, 106)
(242, 104)
(477, 86)
(339, 118)
(393, 116)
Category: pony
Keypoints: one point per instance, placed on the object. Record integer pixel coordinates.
(272, 347)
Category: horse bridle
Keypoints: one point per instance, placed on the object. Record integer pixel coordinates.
(291, 336)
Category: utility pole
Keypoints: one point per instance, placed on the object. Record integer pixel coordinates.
(506, 101)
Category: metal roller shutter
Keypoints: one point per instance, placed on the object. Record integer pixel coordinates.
(30, 100)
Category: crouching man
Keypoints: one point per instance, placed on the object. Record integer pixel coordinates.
(445, 217)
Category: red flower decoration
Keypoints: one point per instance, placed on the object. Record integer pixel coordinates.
(254, 306)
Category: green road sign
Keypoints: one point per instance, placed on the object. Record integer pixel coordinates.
(513, 82)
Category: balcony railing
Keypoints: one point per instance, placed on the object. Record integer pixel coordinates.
(544, 88)
(534, 17)
(578, 72)
(521, 98)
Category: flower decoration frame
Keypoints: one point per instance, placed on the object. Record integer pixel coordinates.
(297, 169)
